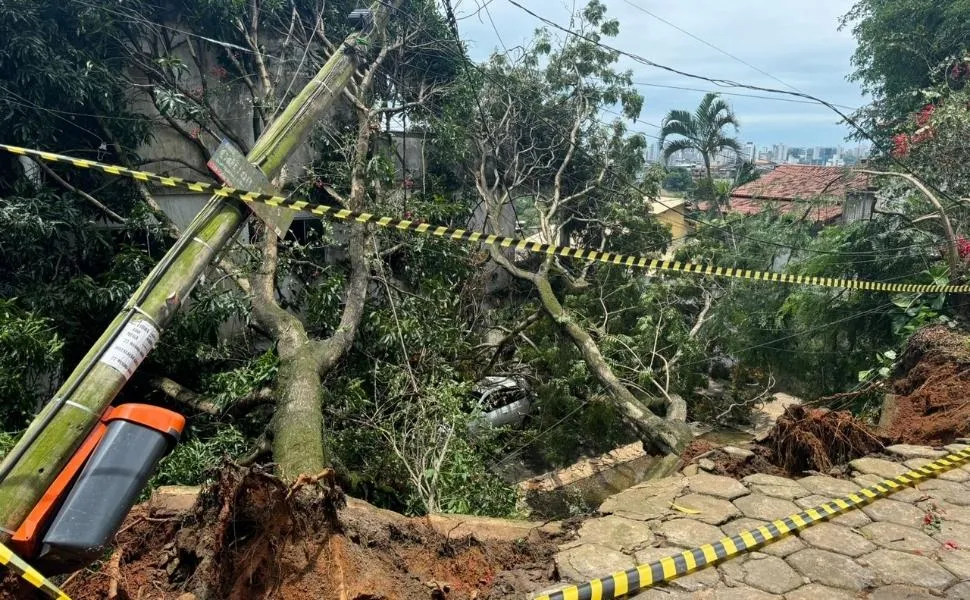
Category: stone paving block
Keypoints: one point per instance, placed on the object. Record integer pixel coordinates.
(732, 571)
(704, 579)
(899, 537)
(759, 506)
(781, 548)
(894, 511)
(785, 492)
(952, 531)
(955, 561)
(829, 536)
(649, 555)
(737, 452)
(770, 574)
(952, 512)
(958, 475)
(650, 500)
(953, 448)
(908, 451)
(886, 469)
(699, 580)
(960, 591)
(716, 485)
(664, 593)
(853, 518)
(742, 593)
(612, 531)
(906, 494)
(831, 569)
(765, 479)
(950, 491)
(713, 511)
(829, 487)
(815, 591)
(901, 592)
(589, 561)
(890, 567)
(688, 533)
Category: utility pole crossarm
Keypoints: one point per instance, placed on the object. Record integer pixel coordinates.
(59, 429)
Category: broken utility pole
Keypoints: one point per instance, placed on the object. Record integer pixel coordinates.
(54, 435)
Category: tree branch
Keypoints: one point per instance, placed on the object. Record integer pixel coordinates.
(91, 199)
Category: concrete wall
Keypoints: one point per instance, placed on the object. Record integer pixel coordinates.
(587, 483)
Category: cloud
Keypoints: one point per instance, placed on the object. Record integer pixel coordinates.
(796, 42)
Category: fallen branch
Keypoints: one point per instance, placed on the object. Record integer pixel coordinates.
(91, 199)
(183, 395)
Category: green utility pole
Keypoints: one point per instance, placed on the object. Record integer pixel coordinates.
(78, 405)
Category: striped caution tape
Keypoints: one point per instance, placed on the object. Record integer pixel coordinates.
(11, 560)
(476, 237)
(677, 565)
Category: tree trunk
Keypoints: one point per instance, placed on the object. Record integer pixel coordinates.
(298, 419)
(666, 436)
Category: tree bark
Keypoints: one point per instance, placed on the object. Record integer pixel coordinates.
(666, 436)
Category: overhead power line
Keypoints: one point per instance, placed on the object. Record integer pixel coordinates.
(710, 45)
(734, 84)
(737, 94)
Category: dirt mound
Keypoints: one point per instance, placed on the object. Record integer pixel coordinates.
(817, 439)
(251, 537)
(932, 403)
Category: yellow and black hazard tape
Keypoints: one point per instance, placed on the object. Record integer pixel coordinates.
(30, 574)
(477, 237)
(677, 565)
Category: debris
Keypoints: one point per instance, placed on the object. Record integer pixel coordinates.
(930, 405)
(815, 439)
(706, 464)
(737, 452)
(252, 536)
(685, 510)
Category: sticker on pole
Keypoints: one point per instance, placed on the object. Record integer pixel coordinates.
(232, 168)
(131, 347)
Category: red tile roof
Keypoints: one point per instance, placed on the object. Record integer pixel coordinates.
(802, 182)
(817, 213)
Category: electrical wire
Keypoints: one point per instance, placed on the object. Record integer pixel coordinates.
(709, 44)
(729, 83)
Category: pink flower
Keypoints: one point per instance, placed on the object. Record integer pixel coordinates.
(900, 145)
(924, 114)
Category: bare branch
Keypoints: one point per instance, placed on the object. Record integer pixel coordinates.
(91, 199)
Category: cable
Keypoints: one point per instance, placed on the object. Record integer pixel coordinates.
(558, 423)
(640, 190)
(729, 83)
(738, 94)
(710, 45)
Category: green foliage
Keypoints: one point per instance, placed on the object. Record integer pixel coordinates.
(30, 351)
(702, 130)
(201, 451)
(900, 45)
(678, 180)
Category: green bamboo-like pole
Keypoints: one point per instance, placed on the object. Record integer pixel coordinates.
(94, 383)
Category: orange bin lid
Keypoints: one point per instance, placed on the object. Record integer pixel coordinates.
(157, 418)
(28, 535)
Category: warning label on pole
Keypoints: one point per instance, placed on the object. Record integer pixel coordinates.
(131, 347)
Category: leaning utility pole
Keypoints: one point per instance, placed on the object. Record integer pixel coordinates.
(54, 435)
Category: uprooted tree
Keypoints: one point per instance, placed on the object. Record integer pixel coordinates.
(401, 76)
(538, 145)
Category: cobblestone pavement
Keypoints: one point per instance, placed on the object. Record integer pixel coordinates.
(913, 545)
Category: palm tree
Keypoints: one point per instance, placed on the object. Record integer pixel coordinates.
(701, 131)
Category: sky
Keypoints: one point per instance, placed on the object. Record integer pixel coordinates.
(795, 41)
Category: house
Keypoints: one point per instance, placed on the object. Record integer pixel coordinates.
(824, 195)
(671, 212)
